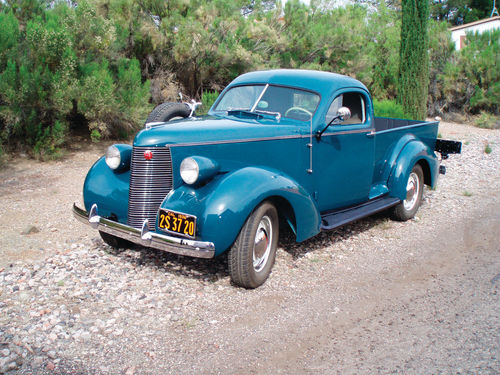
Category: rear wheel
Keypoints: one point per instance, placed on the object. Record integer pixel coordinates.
(168, 111)
(252, 256)
(414, 189)
(115, 242)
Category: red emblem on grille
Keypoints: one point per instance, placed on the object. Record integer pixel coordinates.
(148, 155)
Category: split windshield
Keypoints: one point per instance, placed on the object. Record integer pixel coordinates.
(273, 100)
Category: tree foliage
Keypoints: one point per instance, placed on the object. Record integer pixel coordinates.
(414, 59)
(99, 66)
(472, 81)
(458, 12)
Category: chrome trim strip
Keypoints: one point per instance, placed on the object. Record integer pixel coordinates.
(283, 137)
(145, 237)
(239, 140)
(407, 127)
(364, 130)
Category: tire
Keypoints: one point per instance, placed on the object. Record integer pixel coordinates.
(168, 111)
(407, 209)
(115, 242)
(251, 258)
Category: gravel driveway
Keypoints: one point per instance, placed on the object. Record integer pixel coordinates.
(375, 296)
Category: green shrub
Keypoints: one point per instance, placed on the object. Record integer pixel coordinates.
(487, 149)
(487, 121)
(207, 99)
(472, 81)
(49, 141)
(132, 95)
(95, 135)
(388, 108)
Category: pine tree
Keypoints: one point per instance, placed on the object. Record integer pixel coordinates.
(414, 58)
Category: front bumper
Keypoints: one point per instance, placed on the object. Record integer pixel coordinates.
(145, 237)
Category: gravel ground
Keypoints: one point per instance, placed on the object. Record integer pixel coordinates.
(375, 296)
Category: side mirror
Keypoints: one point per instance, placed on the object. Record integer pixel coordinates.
(344, 114)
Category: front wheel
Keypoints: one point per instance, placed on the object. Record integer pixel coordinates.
(252, 256)
(407, 209)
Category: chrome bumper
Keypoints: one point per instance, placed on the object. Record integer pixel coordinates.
(145, 237)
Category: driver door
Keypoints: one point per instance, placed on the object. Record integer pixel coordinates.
(343, 159)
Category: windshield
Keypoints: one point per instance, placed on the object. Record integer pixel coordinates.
(277, 100)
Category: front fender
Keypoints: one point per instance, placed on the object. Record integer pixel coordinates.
(223, 205)
(108, 189)
(412, 153)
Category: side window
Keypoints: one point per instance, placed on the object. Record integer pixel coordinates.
(352, 100)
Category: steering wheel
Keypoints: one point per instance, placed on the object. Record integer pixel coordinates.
(297, 109)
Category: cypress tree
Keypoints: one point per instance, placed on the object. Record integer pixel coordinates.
(414, 58)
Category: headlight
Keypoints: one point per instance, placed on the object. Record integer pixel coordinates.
(189, 171)
(113, 157)
(198, 169)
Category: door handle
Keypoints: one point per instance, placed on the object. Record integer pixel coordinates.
(370, 134)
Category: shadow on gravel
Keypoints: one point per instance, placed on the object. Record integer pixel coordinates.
(212, 270)
(331, 237)
(207, 270)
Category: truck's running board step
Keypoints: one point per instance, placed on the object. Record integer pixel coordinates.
(337, 218)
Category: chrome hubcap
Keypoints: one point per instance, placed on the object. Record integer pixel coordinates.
(412, 189)
(262, 243)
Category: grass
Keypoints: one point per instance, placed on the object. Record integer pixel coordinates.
(487, 121)
(487, 149)
(315, 260)
(385, 224)
(467, 193)
(190, 324)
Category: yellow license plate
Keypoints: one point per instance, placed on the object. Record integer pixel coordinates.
(177, 222)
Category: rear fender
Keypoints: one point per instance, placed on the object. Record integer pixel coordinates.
(412, 153)
(223, 205)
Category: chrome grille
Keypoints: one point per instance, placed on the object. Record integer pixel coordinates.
(150, 182)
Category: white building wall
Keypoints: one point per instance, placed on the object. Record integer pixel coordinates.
(456, 35)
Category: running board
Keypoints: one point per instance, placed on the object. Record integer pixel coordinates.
(338, 218)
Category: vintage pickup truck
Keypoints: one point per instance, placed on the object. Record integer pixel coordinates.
(279, 147)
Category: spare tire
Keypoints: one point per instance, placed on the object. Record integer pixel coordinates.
(168, 111)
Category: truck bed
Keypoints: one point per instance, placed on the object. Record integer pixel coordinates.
(386, 123)
(390, 135)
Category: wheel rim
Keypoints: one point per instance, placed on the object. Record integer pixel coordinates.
(412, 190)
(262, 243)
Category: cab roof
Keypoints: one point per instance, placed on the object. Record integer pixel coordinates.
(324, 83)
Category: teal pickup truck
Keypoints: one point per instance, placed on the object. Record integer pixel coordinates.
(279, 147)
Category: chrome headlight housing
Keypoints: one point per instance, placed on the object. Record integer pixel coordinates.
(197, 169)
(118, 157)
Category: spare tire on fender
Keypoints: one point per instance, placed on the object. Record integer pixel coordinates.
(168, 111)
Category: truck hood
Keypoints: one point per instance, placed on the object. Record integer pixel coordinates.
(216, 129)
